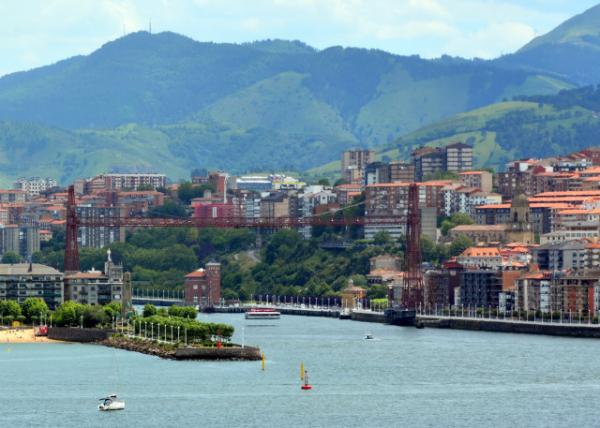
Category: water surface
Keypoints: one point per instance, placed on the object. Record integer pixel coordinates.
(405, 377)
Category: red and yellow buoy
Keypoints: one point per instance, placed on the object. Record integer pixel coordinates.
(304, 376)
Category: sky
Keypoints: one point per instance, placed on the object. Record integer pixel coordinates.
(40, 32)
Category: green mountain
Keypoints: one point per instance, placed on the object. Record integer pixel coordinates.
(571, 51)
(166, 102)
(536, 126)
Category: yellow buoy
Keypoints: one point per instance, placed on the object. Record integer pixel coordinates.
(263, 361)
(302, 370)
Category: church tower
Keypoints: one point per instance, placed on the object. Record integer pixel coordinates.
(520, 224)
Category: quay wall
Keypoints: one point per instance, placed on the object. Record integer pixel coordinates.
(331, 313)
(367, 317)
(568, 330)
(74, 334)
(310, 312)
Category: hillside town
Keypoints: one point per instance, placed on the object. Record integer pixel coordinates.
(527, 237)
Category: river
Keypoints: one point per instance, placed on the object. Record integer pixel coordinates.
(404, 377)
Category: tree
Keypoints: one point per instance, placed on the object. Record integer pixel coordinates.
(10, 258)
(323, 182)
(188, 191)
(382, 238)
(149, 310)
(168, 209)
(113, 310)
(33, 308)
(456, 219)
(460, 244)
(441, 175)
(68, 314)
(377, 292)
(183, 312)
(10, 308)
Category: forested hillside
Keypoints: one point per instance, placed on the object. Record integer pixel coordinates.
(166, 102)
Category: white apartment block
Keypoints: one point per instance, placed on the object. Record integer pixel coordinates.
(33, 186)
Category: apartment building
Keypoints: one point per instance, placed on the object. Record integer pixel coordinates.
(480, 288)
(99, 236)
(95, 287)
(122, 181)
(482, 180)
(23, 280)
(457, 157)
(33, 186)
(354, 163)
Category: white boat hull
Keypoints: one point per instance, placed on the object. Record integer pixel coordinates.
(115, 405)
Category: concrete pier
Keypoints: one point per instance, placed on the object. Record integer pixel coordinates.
(512, 326)
(285, 310)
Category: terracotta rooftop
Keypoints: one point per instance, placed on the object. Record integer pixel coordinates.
(472, 172)
(196, 274)
(481, 252)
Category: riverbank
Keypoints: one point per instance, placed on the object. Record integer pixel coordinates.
(22, 335)
(174, 352)
(591, 331)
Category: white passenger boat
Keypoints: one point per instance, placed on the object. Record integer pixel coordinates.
(111, 403)
(262, 314)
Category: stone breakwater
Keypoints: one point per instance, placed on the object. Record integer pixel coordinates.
(231, 353)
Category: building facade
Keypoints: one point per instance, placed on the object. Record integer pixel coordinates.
(23, 280)
(94, 287)
(203, 286)
(354, 163)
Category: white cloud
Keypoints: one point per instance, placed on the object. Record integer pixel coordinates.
(491, 41)
(38, 32)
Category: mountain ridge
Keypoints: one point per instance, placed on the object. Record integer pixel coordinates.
(169, 102)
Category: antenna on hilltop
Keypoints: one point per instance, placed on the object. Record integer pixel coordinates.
(150, 26)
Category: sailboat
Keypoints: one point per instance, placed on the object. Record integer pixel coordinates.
(112, 402)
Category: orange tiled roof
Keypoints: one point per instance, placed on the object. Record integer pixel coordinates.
(570, 193)
(579, 211)
(481, 252)
(196, 274)
(472, 173)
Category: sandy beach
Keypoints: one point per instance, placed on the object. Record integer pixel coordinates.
(21, 335)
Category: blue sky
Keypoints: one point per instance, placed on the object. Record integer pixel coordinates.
(40, 32)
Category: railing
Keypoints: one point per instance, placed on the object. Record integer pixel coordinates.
(505, 315)
(158, 295)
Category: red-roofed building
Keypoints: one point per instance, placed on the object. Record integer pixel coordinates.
(202, 287)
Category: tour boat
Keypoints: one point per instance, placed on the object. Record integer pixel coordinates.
(111, 403)
(262, 314)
